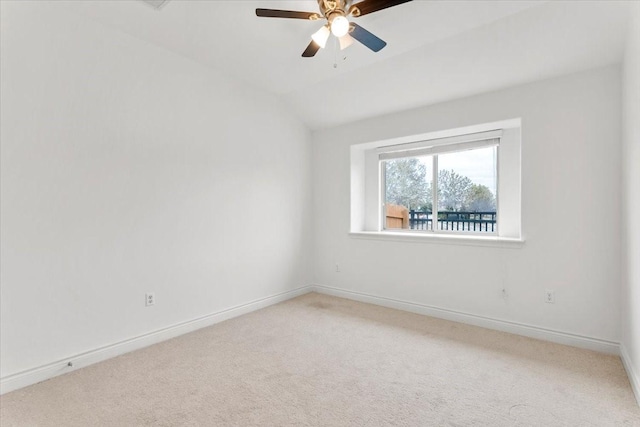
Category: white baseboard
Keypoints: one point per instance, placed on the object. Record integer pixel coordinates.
(45, 372)
(41, 373)
(634, 379)
(531, 331)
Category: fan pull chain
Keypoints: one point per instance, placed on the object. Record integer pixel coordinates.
(336, 50)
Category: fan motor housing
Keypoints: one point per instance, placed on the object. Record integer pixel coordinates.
(332, 8)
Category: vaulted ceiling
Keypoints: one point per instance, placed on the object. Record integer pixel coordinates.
(437, 50)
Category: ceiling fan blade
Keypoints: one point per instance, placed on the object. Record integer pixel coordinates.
(369, 6)
(311, 50)
(346, 41)
(274, 13)
(366, 38)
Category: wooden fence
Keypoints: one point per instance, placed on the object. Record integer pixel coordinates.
(396, 217)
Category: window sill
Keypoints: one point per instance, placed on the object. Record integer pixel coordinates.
(442, 239)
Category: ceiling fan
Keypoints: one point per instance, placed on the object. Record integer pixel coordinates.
(337, 13)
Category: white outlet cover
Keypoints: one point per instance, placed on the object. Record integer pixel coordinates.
(149, 299)
(549, 296)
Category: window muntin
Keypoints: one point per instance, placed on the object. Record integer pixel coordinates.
(457, 184)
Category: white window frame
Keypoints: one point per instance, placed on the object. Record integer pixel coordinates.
(366, 217)
(433, 148)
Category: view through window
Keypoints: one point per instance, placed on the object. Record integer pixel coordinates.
(461, 196)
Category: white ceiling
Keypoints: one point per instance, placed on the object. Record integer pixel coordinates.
(437, 50)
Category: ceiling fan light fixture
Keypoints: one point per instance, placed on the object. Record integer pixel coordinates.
(340, 26)
(321, 36)
(336, 13)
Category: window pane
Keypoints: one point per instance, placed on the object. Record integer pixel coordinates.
(408, 194)
(467, 190)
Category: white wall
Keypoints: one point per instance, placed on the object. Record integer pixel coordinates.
(631, 201)
(128, 169)
(570, 203)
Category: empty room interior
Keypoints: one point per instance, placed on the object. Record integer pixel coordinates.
(319, 213)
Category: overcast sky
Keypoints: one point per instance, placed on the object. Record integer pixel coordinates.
(478, 165)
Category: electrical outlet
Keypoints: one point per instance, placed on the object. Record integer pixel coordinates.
(337, 268)
(549, 297)
(150, 299)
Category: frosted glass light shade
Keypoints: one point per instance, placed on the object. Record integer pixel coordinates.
(321, 36)
(346, 41)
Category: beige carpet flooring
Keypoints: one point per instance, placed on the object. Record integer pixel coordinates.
(323, 361)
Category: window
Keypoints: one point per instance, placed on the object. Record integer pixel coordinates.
(459, 186)
(449, 187)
